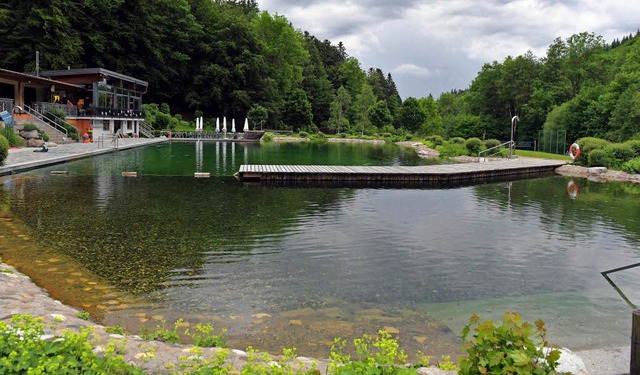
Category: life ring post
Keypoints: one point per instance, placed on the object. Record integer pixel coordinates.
(574, 151)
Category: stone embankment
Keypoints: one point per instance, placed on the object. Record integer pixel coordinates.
(598, 174)
(421, 149)
(19, 295)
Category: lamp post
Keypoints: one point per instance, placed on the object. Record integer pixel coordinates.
(514, 121)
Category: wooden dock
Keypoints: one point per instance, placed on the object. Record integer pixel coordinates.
(429, 175)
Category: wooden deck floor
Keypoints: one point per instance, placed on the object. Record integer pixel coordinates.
(429, 175)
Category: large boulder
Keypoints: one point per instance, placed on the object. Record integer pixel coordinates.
(35, 142)
(30, 134)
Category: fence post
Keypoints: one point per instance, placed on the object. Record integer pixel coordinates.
(635, 344)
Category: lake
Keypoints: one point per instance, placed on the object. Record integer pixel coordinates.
(296, 267)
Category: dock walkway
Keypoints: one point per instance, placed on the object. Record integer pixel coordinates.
(428, 175)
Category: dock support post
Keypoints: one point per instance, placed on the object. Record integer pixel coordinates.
(635, 344)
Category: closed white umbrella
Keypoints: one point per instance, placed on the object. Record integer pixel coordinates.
(217, 124)
(224, 124)
(233, 125)
(246, 125)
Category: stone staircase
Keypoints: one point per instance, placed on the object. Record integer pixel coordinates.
(54, 135)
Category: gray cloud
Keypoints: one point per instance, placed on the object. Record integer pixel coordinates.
(432, 46)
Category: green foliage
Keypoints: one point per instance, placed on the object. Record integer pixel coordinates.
(457, 140)
(451, 149)
(374, 355)
(436, 140)
(267, 137)
(161, 333)
(587, 145)
(634, 145)
(258, 115)
(446, 364)
(489, 143)
(12, 137)
(515, 347)
(117, 330)
(473, 145)
(599, 158)
(29, 127)
(4, 149)
(22, 350)
(83, 315)
(204, 336)
(620, 153)
(303, 134)
(263, 364)
(632, 166)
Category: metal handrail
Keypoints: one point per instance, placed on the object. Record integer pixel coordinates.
(510, 143)
(146, 129)
(44, 118)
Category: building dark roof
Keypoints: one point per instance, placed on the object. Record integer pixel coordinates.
(105, 73)
(10, 74)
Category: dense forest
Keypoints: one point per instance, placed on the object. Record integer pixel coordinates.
(227, 57)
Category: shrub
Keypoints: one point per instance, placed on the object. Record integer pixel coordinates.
(489, 143)
(303, 134)
(12, 137)
(4, 149)
(375, 355)
(508, 348)
(589, 144)
(450, 150)
(267, 137)
(436, 140)
(598, 158)
(632, 166)
(634, 145)
(23, 351)
(620, 153)
(457, 140)
(474, 145)
(321, 135)
(29, 127)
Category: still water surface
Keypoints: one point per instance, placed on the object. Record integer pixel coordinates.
(284, 266)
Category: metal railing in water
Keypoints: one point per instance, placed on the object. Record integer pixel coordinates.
(496, 149)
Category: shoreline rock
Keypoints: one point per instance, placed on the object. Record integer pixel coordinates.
(597, 174)
(421, 149)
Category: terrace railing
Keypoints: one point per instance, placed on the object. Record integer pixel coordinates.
(6, 104)
(100, 112)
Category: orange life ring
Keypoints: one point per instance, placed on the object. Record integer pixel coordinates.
(574, 151)
(572, 189)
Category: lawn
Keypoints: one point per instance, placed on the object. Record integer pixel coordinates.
(541, 155)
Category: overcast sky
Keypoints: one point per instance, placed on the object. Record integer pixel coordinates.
(433, 46)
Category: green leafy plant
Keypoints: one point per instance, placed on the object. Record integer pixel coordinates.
(436, 140)
(599, 158)
(263, 364)
(473, 145)
(82, 315)
(4, 149)
(489, 143)
(447, 364)
(117, 330)
(267, 137)
(30, 127)
(374, 355)
(303, 134)
(24, 350)
(205, 338)
(457, 140)
(632, 166)
(510, 348)
(161, 333)
(12, 137)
